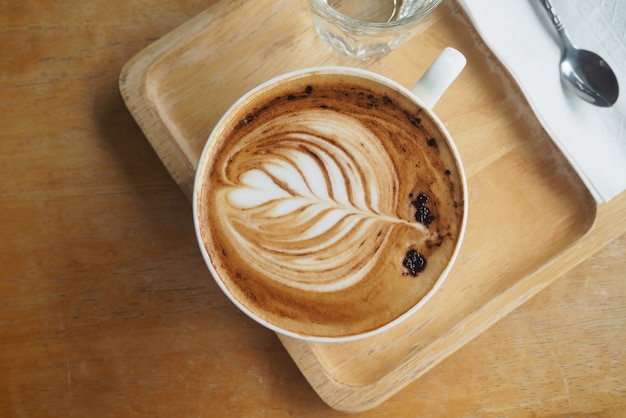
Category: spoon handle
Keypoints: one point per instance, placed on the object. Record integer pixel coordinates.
(557, 23)
(552, 13)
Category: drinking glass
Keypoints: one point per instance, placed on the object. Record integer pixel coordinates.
(367, 29)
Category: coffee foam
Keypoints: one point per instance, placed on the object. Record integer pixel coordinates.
(307, 209)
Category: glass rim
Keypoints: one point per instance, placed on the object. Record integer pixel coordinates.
(322, 8)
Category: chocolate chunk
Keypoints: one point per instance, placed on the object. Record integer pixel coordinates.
(422, 213)
(414, 262)
(421, 200)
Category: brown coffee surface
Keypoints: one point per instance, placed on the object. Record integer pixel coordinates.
(319, 193)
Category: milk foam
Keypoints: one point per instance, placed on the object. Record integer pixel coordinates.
(313, 200)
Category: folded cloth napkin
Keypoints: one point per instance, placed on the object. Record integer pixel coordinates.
(521, 35)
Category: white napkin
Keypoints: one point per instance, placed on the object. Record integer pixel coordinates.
(521, 35)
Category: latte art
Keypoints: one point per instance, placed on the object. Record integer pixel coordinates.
(312, 201)
(329, 204)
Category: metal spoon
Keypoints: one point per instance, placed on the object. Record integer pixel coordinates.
(584, 72)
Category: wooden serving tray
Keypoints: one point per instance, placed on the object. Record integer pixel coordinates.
(527, 207)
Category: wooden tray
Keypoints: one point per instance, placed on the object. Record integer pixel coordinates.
(527, 208)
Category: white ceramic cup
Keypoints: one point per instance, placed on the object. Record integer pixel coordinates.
(425, 93)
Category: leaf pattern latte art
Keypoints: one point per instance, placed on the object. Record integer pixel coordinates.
(310, 199)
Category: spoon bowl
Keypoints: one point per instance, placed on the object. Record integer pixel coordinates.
(589, 77)
(585, 73)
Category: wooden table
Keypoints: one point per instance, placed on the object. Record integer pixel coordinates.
(106, 308)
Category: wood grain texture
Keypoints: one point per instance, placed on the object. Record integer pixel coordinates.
(107, 310)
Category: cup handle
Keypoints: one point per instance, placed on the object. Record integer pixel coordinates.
(436, 80)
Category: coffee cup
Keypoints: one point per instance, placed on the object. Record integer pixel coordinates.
(330, 203)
